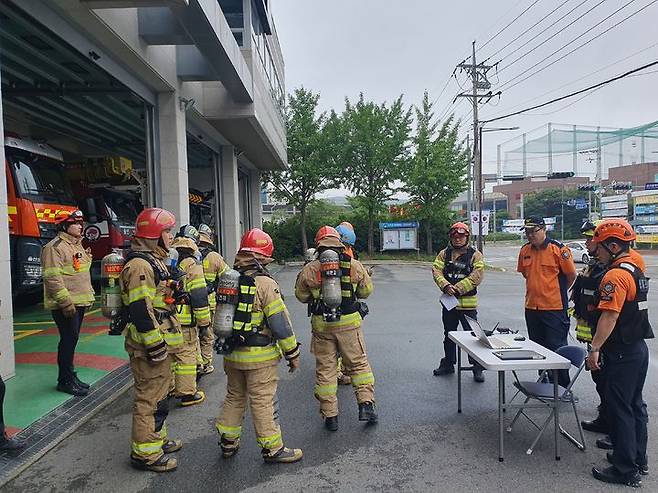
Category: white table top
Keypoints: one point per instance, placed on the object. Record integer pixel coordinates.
(490, 361)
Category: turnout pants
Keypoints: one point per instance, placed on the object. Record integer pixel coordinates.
(451, 320)
(257, 389)
(625, 370)
(206, 349)
(69, 332)
(150, 408)
(549, 328)
(184, 361)
(325, 346)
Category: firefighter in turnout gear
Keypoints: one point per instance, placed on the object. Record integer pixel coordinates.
(618, 349)
(458, 270)
(213, 267)
(338, 329)
(67, 292)
(147, 296)
(193, 315)
(584, 295)
(262, 333)
(348, 238)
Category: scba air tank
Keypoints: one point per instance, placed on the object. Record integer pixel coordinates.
(330, 277)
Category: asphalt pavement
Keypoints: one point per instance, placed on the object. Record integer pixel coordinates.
(420, 443)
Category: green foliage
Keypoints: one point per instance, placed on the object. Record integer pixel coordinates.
(548, 203)
(373, 148)
(436, 173)
(311, 165)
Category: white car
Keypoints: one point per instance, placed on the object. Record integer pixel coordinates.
(579, 251)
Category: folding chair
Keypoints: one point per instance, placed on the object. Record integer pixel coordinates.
(543, 392)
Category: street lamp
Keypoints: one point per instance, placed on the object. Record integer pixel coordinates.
(478, 176)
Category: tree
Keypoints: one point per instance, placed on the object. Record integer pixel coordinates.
(373, 148)
(311, 167)
(436, 173)
(548, 203)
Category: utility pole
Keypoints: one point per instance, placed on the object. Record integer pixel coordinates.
(478, 74)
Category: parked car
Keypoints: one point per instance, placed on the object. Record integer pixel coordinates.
(579, 251)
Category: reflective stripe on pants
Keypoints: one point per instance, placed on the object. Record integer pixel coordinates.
(185, 363)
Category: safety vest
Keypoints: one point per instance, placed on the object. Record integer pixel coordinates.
(633, 322)
(585, 296)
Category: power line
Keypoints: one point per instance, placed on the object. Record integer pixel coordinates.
(529, 29)
(509, 24)
(521, 105)
(579, 46)
(595, 86)
(516, 60)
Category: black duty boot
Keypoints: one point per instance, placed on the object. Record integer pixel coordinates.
(331, 423)
(367, 412)
(163, 464)
(72, 388)
(612, 475)
(597, 425)
(605, 443)
(79, 382)
(445, 368)
(642, 466)
(10, 444)
(478, 375)
(191, 400)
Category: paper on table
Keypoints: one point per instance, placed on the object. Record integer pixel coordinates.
(448, 301)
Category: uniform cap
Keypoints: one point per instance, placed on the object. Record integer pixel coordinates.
(534, 222)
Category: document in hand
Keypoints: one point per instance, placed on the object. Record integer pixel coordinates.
(448, 301)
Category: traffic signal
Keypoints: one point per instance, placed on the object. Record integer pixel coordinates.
(625, 185)
(560, 174)
(587, 188)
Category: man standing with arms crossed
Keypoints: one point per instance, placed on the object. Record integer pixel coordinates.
(548, 268)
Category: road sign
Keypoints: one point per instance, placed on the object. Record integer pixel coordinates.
(475, 229)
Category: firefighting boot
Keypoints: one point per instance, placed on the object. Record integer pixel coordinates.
(331, 423)
(283, 455)
(445, 368)
(229, 447)
(367, 412)
(163, 464)
(189, 400)
(170, 446)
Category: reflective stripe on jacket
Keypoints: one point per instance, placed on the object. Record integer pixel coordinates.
(66, 279)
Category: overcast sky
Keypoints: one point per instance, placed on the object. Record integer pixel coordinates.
(387, 47)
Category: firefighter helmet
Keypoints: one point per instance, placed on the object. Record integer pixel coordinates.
(204, 229)
(618, 229)
(587, 229)
(347, 234)
(65, 218)
(458, 228)
(257, 241)
(151, 222)
(347, 224)
(188, 231)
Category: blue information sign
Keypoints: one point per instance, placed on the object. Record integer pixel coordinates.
(399, 225)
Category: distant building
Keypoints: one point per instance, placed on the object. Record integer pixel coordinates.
(491, 201)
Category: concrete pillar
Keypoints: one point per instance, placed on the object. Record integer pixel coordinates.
(230, 198)
(7, 361)
(173, 157)
(254, 197)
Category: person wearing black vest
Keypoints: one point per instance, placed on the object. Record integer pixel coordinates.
(619, 350)
(458, 270)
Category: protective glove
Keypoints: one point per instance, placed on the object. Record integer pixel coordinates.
(69, 311)
(157, 353)
(293, 364)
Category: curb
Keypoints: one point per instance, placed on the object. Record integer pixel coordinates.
(25, 459)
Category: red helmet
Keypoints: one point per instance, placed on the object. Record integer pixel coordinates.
(65, 218)
(257, 241)
(458, 228)
(152, 222)
(326, 232)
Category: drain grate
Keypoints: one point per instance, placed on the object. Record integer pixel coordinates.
(55, 426)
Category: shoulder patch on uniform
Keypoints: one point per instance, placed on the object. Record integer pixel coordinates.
(566, 254)
(608, 287)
